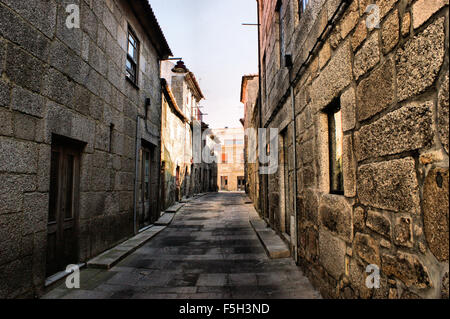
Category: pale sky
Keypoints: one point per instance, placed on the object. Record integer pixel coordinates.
(209, 36)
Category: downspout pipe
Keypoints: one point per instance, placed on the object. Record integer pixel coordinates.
(136, 172)
(261, 206)
(294, 146)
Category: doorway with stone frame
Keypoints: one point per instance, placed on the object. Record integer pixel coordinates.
(63, 213)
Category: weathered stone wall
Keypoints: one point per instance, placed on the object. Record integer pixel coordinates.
(392, 84)
(173, 130)
(177, 140)
(69, 82)
(249, 97)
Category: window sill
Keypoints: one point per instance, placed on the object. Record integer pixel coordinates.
(132, 83)
(337, 193)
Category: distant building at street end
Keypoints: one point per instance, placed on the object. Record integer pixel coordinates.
(230, 154)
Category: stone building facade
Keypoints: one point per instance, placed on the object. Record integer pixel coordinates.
(205, 172)
(181, 177)
(359, 94)
(229, 150)
(80, 118)
(249, 97)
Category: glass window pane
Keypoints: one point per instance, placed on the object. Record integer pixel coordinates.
(229, 142)
(131, 51)
(131, 70)
(131, 39)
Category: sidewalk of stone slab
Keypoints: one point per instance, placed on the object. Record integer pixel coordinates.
(111, 257)
(175, 208)
(209, 251)
(165, 219)
(274, 246)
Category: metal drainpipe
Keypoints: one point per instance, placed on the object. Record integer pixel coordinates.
(261, 206)
(294, 135)
(138, 130)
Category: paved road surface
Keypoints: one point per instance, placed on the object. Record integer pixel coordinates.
(209, 251)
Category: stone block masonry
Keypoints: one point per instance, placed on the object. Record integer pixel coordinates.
(391, 87)
(69, 84)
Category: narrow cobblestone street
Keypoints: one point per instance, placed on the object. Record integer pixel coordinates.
(209, 251)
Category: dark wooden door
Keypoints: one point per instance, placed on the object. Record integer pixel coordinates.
(224, 183)
(241, 183)
(287, 186)
(163, 186)
(62, 230)
(177, 184)
(144, 218)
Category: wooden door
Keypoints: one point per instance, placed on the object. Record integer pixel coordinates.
(287, 186)
(177, 184)
(224, 183)
(241, 183)
(163, 185)
(62, 230)
(144, 218)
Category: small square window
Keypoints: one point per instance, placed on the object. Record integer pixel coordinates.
(335, 146)
(132, 63)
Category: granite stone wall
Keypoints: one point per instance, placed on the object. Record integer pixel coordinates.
(249, 97)
(68, 82)
(392, 85)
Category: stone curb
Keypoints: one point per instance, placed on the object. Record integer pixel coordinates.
(174, 208)
(111, 257)
(165, 220)
(273, 245)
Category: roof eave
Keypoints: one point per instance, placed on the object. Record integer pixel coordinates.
(147, 18)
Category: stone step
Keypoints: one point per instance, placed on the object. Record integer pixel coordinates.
(274, 246)
(174, 208)
(165, 219)
(111, 257)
